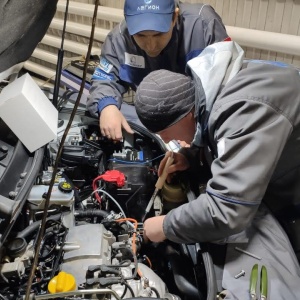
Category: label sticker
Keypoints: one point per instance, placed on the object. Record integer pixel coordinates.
(135, 61)
(100, 75)
(105, 65)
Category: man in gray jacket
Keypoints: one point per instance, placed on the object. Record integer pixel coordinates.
(155, 35)
(244, 121)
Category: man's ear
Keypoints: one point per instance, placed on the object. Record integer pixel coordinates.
(175, 16)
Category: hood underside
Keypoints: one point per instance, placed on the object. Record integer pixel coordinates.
(22, 26)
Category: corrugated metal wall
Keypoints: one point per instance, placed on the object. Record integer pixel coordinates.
(280, 16)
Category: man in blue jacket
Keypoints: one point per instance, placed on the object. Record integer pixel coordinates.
(154, 35)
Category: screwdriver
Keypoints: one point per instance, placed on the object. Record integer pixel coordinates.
(159, 184)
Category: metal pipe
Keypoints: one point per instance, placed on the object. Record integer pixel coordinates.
(79, 293)
(265, 40)
(39, 69)
(44, 55)
(60, 57)
(43, 83)
(74, 47)
(79, 29)
(86, 10)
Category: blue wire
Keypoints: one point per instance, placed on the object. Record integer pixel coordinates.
(135, 162)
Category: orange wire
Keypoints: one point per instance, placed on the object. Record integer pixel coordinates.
(133, 239)
(140, 273)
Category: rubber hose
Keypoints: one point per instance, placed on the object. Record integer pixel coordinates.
(34, 226)
(91, 213)
(183, 285)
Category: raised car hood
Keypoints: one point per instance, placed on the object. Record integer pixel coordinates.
(22, 26)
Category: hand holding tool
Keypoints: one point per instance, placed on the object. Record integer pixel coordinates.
(159, 184)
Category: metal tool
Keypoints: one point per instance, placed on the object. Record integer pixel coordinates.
(263, 283)
(240, 274)
(159, 184)
(248, 253)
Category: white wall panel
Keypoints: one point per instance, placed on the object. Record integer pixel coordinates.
(280, 16)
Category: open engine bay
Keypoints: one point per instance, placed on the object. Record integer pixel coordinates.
(93, 244)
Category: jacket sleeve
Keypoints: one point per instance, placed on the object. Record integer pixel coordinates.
(107, 88)
(214, 29)
(249, 136)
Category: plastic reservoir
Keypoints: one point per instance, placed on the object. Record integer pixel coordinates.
(38, 193)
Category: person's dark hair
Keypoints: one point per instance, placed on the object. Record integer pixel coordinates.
(163, 98)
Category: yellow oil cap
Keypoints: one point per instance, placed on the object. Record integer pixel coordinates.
(62, 282)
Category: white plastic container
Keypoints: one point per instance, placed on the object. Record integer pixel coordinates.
(28, 113)
(37, 200)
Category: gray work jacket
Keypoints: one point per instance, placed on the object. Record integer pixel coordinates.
(123, 64)
(248, 125)
(253, 136)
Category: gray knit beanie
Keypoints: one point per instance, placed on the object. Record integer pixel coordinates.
(163, 98)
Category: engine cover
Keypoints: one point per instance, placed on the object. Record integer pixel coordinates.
(86, 245)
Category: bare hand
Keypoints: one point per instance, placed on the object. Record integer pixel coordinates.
(183, 144)
(153, 229)
(111, 122)
(180, 164)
